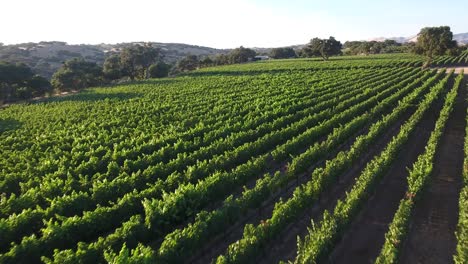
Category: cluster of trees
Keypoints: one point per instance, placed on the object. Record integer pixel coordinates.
(192, 62)
(436, 41)
(76, 74)
(283, 53)
(134, 62)
(431, 42)
(322, 48)
(374, 47)
(18, 82)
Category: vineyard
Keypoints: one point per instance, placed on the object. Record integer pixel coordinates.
(461, 59)
(354, 160)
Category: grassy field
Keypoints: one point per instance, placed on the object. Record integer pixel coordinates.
(286, 160)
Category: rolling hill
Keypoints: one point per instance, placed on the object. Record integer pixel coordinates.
(46, 57)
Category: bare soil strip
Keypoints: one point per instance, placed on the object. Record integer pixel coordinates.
(366, 235)
(285, 246)
(218, 245)
(431, 238)
(458, 69)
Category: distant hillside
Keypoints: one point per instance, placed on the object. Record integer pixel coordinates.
(397, 39)
(46, 57)
(461, 38)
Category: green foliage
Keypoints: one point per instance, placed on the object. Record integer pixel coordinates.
(221, 59)
(282, 53)
(206, 62)
(139, 255)
(241, 55)
(322, 178)
(84, 175)
(417, 181)
(17, 82)
(76, 74)
(192, 62)
(434, 41)
(317, 243)
(188, 63)
(373, 47)
(159, 70)
(135, 60)
(323, 48)
(112, 69)
(461, 254)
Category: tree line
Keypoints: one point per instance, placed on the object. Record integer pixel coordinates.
(18, 82)
(137, 62)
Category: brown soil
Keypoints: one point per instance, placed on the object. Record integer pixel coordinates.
(365, 236)
(431, 238)
(456, 69)
(218, 245)
(235, 232)
(284, 247)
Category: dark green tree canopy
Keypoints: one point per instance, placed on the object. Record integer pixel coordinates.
(323, 48)
(282, 53)
(374, 47)
(112, 69)
(159, 70)
(434, 41)
(241, 55)
(76, 74)
(14, 73)
(133, 62)
(206, 62)
(39, 85)
(136, 60)
(189, 63)
(221, 59)
(18, 82)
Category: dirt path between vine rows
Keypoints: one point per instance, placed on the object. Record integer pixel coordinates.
(284, 247)
(366, 235)
(456, 69)
(431, 237)
(219, 244)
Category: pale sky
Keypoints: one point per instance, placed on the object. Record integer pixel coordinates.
(222, 23)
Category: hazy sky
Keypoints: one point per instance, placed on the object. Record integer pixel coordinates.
(222, 23)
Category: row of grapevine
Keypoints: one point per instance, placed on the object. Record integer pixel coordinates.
(163, 162)
(181, 244)
(335, 63)
(322, 236)
(461, 59)
(67, 203)
(34, 197)
(228, 177)
(158, 210)
(285, 212)
(461, 255)
(124, 203)
(417, 181)
(135, 232)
